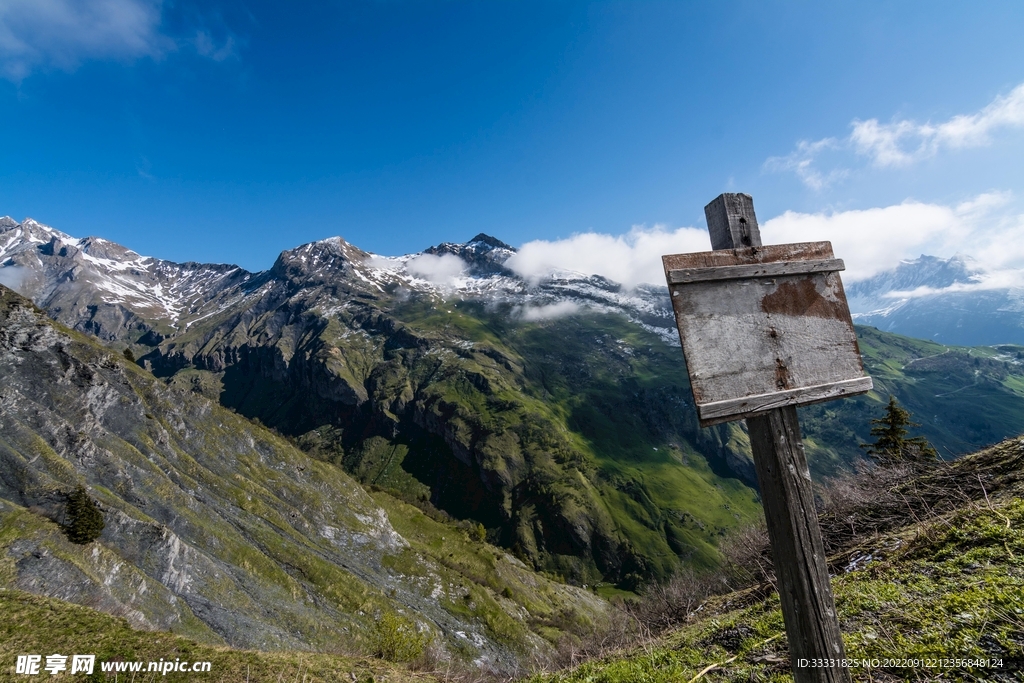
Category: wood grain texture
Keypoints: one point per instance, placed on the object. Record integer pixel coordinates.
(772, 253)
(754, 336)
(731, 221)
(724, 411)
(808, 607)
(687, 275)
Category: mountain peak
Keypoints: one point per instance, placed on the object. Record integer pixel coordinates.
(484, 254)
(484, 238)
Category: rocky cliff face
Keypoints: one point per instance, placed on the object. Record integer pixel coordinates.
(220, 530)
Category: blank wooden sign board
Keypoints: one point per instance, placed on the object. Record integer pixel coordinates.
(764, 329)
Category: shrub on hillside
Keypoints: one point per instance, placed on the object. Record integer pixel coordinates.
(396, 638)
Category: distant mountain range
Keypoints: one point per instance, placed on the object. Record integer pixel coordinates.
(555, 413)
(944, 300)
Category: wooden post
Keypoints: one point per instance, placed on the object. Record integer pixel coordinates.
(808, 607)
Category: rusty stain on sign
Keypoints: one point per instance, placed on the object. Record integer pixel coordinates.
(764, 327)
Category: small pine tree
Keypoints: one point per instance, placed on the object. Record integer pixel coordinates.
(892, 444)
(83, 520)
(129, 356)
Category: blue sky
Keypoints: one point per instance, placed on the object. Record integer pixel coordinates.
(228, 131)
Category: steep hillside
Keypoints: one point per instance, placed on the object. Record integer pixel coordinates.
(224, 532)
(964, 398)
(928, 577)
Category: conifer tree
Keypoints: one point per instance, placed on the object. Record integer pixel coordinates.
(83, 520)
(892, 444)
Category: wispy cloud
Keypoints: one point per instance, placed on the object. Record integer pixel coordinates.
(903, 142)
(13, 276)
(560, 309)
(441, 270)
(62, 34)
(206, 46)
(801, 162)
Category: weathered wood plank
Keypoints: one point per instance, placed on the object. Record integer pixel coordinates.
(688, 275)
(731, 221)
(752, 337)
(808, 607)
(724, 411)
(771, 253)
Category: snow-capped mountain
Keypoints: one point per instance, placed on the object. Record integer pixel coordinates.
(952, 301)
(108, 290)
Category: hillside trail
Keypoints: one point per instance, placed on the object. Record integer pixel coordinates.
(935, 355)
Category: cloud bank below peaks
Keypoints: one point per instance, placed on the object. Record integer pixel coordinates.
(876, 240)
(870, 241)
(630, 259)
(440, 270)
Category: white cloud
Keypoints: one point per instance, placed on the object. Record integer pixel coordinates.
(801, 161)
(440, 270)
(870, 241)
(875, 240)
(629, 259)
(62, 33)
(206, 47)
(548, 312)
(903, 142)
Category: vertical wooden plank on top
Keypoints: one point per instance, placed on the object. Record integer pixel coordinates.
(808, 607)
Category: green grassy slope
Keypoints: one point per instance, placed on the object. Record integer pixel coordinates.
(608, 399)
(963, 398)
(948, 587)
(36, 625)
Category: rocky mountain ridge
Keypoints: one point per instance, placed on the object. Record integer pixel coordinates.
(88, 283)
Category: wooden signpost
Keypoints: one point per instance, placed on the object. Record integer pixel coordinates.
(764, 329)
